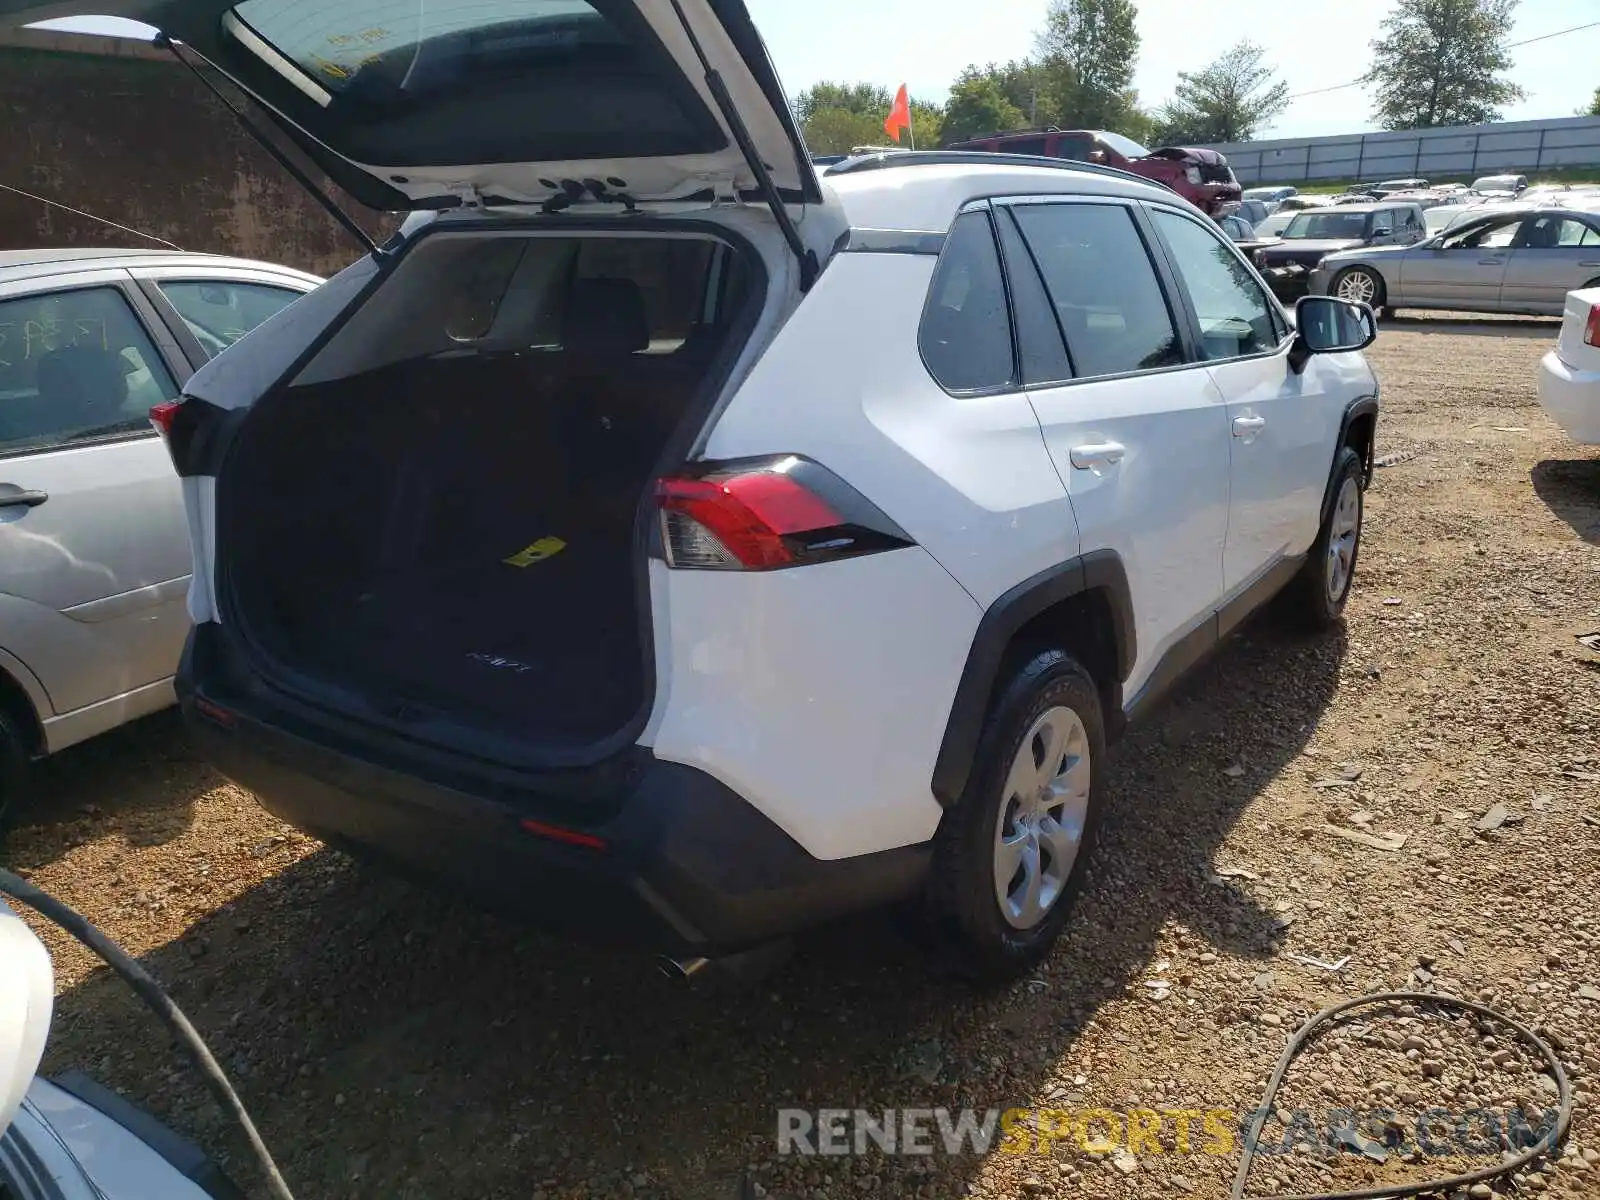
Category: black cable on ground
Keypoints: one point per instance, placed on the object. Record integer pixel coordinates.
(152, 993)
(1544, 1148)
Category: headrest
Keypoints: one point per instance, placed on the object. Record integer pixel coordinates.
(83, 379)
(606, 316)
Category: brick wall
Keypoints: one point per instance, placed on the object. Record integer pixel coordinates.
(119, 129)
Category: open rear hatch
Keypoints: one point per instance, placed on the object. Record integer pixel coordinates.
(426, 104)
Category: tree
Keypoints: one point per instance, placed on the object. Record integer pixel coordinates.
(863, 99)
(978, 105)
(836, 130)
(1441, 62)
(1594, 108)
(1226, 101)
(1087, 51)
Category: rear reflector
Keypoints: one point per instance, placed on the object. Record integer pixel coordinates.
(1591, 331)
(767, 514)
(213, 711)
(162, 416)
(556, 833)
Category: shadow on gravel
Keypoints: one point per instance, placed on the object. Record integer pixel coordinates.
(139, 782)
(394, 1044)
(1571, 489)
(1475, 324)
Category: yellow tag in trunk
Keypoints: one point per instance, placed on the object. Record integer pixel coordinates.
(538, 552)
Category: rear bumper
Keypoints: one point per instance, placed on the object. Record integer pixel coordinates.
(1289, 281)
(1571, 397)
(679, 863)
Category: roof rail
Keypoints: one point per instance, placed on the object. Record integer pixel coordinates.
(989, 158)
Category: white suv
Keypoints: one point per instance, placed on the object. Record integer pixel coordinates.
(660, 540)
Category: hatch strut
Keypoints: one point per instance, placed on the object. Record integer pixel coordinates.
(300, 177)
(741, 134)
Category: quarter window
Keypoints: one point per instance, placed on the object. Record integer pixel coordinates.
(75, 366)
(1103, 286)
(965, 336)
(219, 312)
(1234, 313)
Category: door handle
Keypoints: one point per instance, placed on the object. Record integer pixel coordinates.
(1490, 262)
(1096, 454)
(1593, 262)
(23, 499)
(1246, 426)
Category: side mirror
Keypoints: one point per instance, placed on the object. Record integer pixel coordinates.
(1382, 231)
(27, 994)
(1326, 325)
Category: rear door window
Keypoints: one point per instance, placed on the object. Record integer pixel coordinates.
(965, 336)
(221, 311)
(1107, 296)
(75, 366)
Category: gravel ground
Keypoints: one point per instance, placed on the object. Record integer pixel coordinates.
(393, 1044)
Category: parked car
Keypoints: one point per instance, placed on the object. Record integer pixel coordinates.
(1382, 189)
(92, 530)
(1252, 211)
(1423, 199)
(1569, 375)
(541, 565)
(1272, 197)
(1201, 177)
(1296, 203)
(1243, 235)
(1505, 184)
(1442, 216)
(68, 1137)
(1508, 258)
(1311, 236)
(1272, 228)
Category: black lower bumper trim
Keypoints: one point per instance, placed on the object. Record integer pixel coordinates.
(688, 866)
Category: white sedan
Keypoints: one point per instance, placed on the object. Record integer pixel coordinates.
(1569, 376)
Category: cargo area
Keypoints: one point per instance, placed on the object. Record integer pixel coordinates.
(443, 522)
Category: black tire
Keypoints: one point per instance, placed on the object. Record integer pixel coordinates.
(13, 769)
(981, 942)
(1386, 313)
(1312, 601)
(1379, 293)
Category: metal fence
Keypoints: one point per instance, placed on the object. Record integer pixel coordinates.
(1461, 152)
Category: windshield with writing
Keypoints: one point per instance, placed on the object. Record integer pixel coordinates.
(1330, 225)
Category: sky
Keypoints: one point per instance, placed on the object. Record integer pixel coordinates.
(1315, 45)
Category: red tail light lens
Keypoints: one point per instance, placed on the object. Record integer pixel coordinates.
(765, 515)
(162, 416)
(1591, 331)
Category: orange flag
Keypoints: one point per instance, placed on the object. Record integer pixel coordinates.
(899, 115)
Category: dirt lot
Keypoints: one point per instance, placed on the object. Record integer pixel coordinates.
(395, 1045)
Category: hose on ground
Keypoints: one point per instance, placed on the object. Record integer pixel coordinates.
(155, 997)
(1543, 1148)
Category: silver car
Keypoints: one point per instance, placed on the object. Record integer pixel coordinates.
(1508, 258)
(94, 544)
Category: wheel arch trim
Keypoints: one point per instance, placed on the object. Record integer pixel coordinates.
(1362, 406)
(1099, 570)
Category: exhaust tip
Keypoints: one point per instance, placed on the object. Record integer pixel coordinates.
(682, 968)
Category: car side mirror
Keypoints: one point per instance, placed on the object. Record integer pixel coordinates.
(1327, 325)
(1382, 231)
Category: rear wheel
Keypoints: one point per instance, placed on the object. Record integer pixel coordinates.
(1360, 285)
(1010, 856)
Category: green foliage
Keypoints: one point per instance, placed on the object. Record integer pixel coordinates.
(978, 105)
(862, 99)
(836, 130)
(1087, 54)
(1226, 101)
(1442, 62)
(1594, 107)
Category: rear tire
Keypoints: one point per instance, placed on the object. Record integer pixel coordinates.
(1359, 284)
(13, 769)
(1009, 858)
(1315, 598)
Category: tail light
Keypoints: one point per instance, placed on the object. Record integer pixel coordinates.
(1591, 331)
(768, 514)
(163, 415)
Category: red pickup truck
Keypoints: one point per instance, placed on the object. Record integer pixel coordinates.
(1201, 177)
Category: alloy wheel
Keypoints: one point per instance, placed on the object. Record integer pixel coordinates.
(1042, 815)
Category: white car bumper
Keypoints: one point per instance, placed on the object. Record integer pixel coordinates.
(1572, 398)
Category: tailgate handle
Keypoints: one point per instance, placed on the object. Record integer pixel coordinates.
(31, 498)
